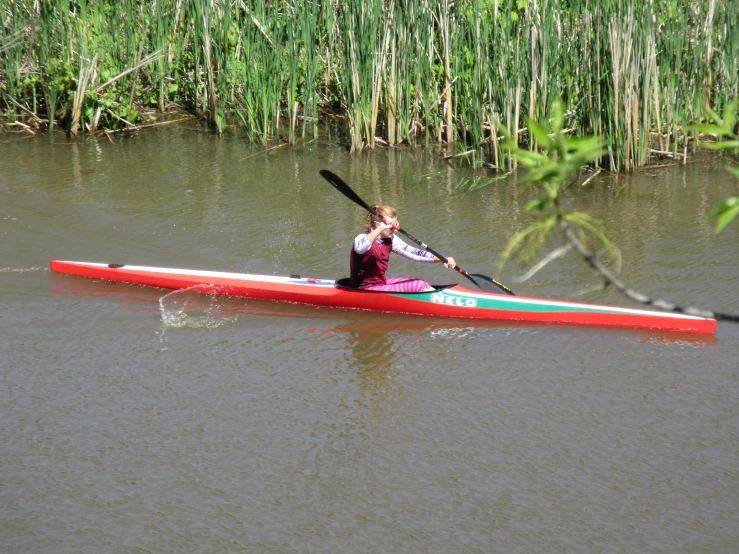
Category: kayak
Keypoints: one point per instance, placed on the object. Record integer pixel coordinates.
(454, 301)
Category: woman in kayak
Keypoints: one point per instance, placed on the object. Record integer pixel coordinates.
(371, 255)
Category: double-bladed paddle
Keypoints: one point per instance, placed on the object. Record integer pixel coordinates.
(483, 282)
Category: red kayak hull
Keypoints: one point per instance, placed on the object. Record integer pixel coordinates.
(454, 301)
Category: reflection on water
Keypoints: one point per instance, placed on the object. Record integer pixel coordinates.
(376, 353)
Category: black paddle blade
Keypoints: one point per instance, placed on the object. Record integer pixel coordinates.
(343, 188)
(488, 284)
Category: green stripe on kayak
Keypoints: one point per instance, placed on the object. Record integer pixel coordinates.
(452, 298)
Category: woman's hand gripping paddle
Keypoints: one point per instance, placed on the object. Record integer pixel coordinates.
(483, 282)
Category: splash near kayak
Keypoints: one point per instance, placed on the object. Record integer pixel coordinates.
(453, 301)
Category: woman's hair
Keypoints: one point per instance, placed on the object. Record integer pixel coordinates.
(386, 211)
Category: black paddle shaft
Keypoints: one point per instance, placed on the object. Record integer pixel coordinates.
(339, 184)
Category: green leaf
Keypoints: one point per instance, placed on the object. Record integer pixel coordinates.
(730, 114)
(577, 143)
(539, 133)
(534, 204)
(733, 170)
(707, 129)
(726, 218)
(558, 116)
(713, 115)
(725, 213)
(727, 145)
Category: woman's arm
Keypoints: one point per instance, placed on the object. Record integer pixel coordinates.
(362, 243)
(415, 254)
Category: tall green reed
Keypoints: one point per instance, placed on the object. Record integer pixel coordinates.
(637, 73)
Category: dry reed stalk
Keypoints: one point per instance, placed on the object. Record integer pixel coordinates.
(443, 21)
(708, 33)
(23, 126)
(144, 61)
(210, 87)
(392, 107)
(655, 92)
(147, 126)
(534, 63)
(378, 72)
(87, 76)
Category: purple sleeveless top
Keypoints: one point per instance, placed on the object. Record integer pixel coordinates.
(369, 268)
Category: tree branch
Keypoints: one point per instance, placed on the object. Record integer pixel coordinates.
(611, 279)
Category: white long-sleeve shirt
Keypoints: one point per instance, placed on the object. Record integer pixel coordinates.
(362, 245)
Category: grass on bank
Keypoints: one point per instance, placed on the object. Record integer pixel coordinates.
(421, 71)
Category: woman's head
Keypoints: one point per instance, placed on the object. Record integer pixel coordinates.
(373, 221)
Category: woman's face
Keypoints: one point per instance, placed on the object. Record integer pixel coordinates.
(387, 233)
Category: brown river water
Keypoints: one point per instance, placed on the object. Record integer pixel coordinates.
(134, 420)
